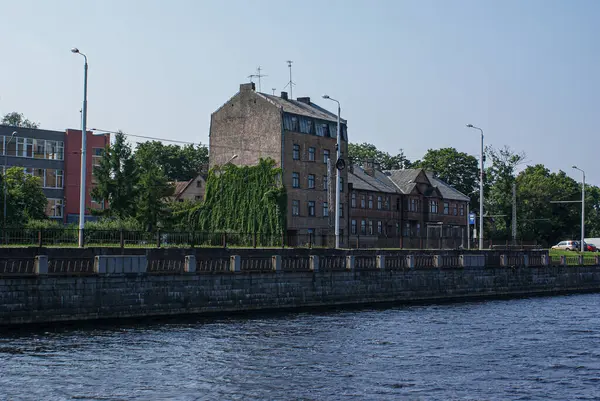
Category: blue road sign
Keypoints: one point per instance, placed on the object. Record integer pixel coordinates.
(471, 219)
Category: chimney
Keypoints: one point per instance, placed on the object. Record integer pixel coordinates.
(304, 100)
(369, 167)
(284, 95)
(247, 87)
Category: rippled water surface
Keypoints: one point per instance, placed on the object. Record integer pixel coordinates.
(526, 349)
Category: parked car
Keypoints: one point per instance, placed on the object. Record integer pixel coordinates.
(567, 245)
(590, 247)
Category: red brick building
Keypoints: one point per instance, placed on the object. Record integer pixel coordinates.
(95, 150)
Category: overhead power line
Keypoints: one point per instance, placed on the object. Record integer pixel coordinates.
(145, 137)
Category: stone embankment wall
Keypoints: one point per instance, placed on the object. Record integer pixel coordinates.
(58, 285)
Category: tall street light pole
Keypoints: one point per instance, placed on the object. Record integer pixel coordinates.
(338, 148)
(82, 185)
(582, 208)
(480, 188)
(4, 172)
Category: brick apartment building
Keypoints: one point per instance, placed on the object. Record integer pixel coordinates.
(299, 135)
(409, 208)
(54, 157)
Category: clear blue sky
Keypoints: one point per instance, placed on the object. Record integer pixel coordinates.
(409, 74)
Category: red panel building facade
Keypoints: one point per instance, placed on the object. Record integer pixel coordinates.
(95, 150)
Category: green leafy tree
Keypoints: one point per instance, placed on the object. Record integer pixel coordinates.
(25, 197)
(179, 163)
(358, 153)
(455, 168)
(500, 177)
(15, 119)
(117, 180)
(153, 191)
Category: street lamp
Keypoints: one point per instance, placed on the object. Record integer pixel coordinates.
(582, 208)
(83, 149)
(231, 159)
(4, 172)
(338, 148)
(480, 189)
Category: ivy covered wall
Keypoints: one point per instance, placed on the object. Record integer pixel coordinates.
(244, 199)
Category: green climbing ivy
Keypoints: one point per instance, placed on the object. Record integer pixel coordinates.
(245, 199)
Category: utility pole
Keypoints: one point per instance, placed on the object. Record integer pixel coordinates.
(514, 213)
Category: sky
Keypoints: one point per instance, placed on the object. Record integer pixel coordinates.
(409, 74)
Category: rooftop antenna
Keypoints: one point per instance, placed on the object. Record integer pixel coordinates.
(273, 89)
(259, 76)
(291, 83)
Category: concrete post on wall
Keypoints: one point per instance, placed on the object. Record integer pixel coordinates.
(545, 260)
(41, 264)
(314, 263)
(437, 261)
(503, 260)
(526, 260)
(597, 260)
(580, 260)
(410, 261)
(350, 263)
(190, 264)
(381, 262)
(276, 260)
(563, 260)
(235, 263)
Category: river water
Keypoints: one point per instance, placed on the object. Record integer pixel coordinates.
(524, 349)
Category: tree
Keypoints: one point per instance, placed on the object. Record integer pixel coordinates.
(455, 168)
(357, 153)
(15, 119)
(179, 163)
(153, 190)
(539, 219)
(500, 177)
(117, 179)
(25, 197)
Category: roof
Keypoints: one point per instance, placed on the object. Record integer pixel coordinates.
(405, 182)
(301, 108)
(362, 181)
(181, 186)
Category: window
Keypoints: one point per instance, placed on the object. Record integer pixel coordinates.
(295, 124)
(341, 184)
(362, 201)
(388, 201)
(446, 208)
(295, 208)
(197, 197)
(311, 154)
(370, 227)
(462, 210)
(353, 227)
(296, 152)
(353, 200)
(454, 209)
(198, 184)
(379, 202)
(433, 206)
(325, 155)
(363, 227)
(418, 229)
(325, 183)
(379, 227)
(311, 208)
(51, 178)
(311, 181)
(341, 210)
(54, 150)
(414, 205)
(407, 230)
(39, 151)
(326, 130)
(325, 209)
(54, 208)
(370, 201)
(295, 180)
(310, 129)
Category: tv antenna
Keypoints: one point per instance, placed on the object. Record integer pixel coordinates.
(257, 75)
(273, 89)
(291, 83)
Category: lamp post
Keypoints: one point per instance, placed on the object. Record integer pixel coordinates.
(480, 189)
(83, 149)
(4, 172)
(582, 208)
(338, 148)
